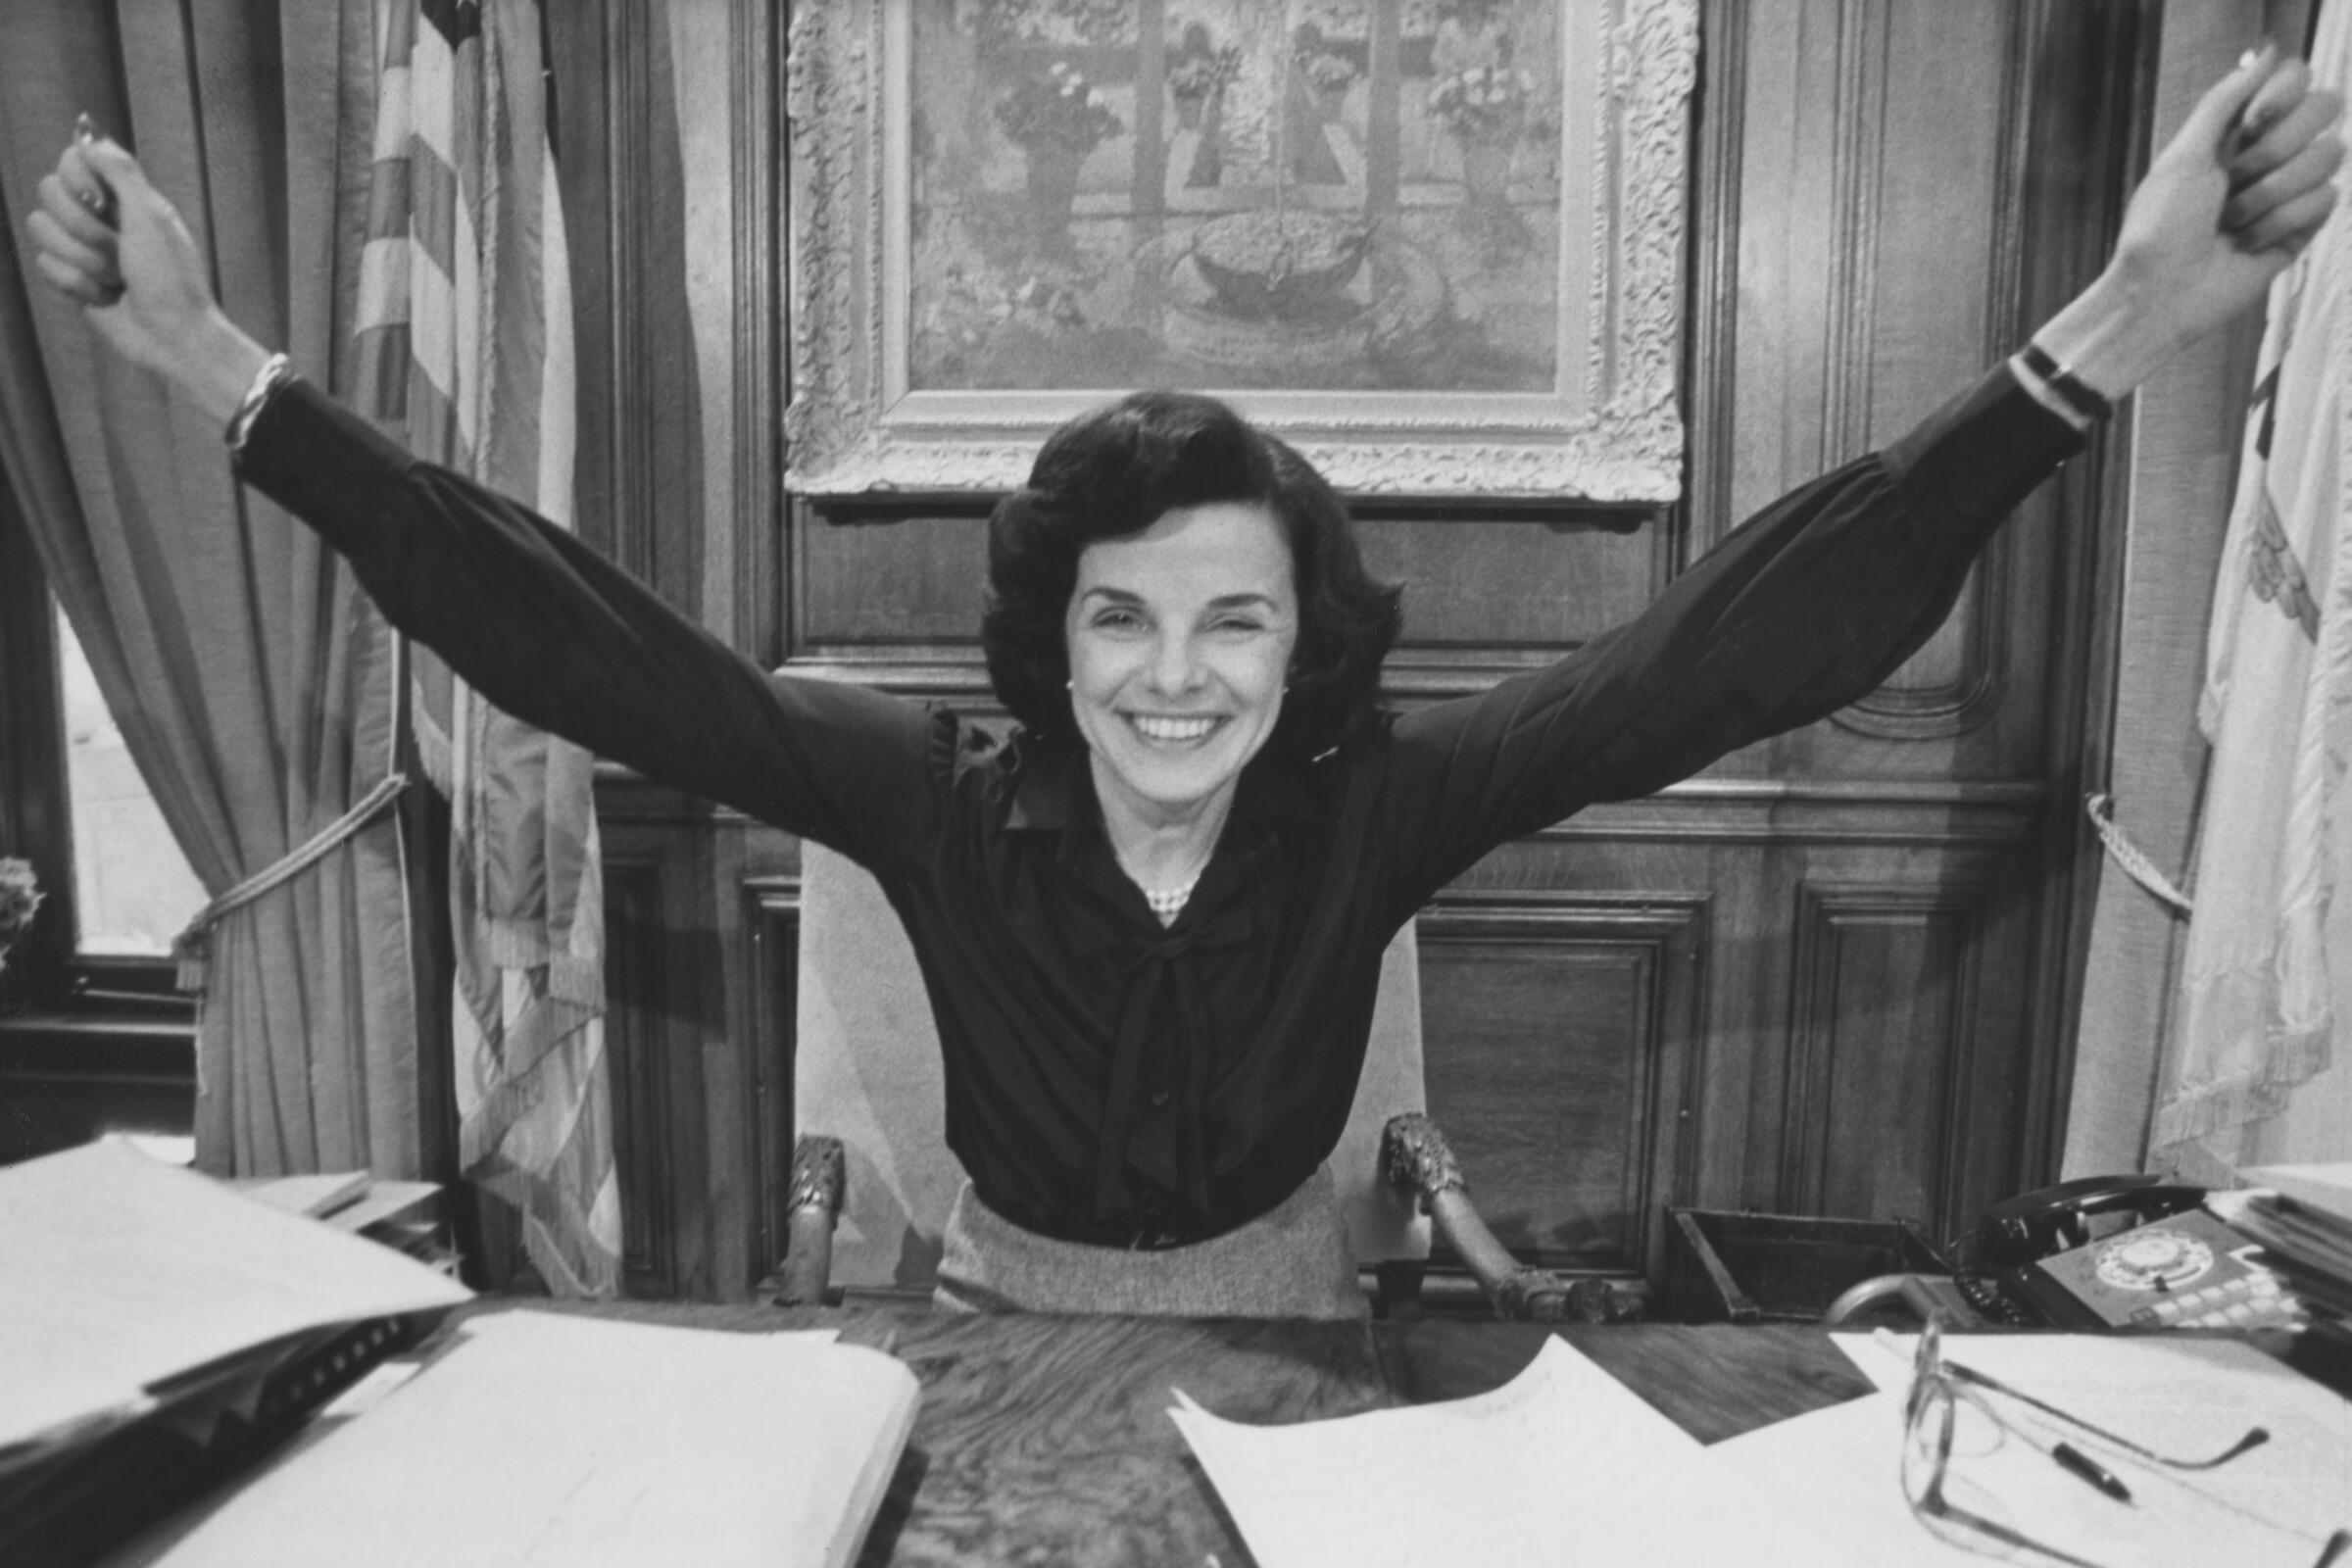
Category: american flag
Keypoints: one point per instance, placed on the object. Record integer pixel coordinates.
(464, 350)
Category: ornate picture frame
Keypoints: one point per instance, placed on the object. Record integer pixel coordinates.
(1436, 245)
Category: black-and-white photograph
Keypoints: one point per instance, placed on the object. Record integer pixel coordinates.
(1175, 783)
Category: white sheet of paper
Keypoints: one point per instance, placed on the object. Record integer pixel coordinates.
(1885, 1361)
(1841, 1469)
(119, 1271)
(548, 1441)
(2180, 1394)
(1563, 1464)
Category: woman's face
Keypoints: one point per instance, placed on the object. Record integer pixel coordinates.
(1180, 642)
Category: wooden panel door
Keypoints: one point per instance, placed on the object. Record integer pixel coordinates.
(1891, 194)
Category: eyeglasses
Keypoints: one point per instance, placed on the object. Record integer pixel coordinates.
(1958, 1413)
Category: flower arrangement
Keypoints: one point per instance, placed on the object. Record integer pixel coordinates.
(1063, 24)
(1278, 264)
(1484, 103)
(1195, 78)
(20, 895)
(1329, 72)
(1199, 76)
(1057, 110)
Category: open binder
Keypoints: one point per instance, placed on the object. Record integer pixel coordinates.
(162, 1339)
(72, 1504)
(161, 1333)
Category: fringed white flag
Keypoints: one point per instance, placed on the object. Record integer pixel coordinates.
(2260, 974)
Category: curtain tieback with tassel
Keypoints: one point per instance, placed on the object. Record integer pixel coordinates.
(190, 947)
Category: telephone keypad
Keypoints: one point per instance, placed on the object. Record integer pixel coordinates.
(2251, 1301)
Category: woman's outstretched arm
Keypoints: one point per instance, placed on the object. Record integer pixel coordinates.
(538, 623)
(1819, 598)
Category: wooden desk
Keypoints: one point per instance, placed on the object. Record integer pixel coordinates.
(1046, 1440)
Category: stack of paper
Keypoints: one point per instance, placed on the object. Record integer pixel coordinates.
(144, 1312)
(2324, 1186)
(151, 1318)
(1563, 1464)
(398, 1214)
(575, 1442)
(2304, 1225)
(125, 1276)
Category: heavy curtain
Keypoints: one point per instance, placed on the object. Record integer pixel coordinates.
(253, 684)
(373, 183)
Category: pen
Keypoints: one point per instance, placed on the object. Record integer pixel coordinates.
(100, 202)
(2075, 1462)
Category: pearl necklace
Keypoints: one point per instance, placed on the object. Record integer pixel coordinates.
(1168, 903)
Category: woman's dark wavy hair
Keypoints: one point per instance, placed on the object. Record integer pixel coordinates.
(1113, 472)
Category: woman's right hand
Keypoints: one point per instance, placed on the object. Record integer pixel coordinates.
(108, 239)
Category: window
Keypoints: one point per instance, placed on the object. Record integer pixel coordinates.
(133, 890)
(94, 1035)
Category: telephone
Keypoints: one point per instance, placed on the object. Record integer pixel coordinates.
(2116, 1252)
(2098, 1253)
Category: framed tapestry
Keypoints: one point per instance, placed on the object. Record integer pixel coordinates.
(1435, 244)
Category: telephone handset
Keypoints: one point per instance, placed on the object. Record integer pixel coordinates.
(2110, 1251)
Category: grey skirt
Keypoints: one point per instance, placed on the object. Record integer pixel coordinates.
(1292, 1261)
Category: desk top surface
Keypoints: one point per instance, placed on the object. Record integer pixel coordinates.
(1047, 1439)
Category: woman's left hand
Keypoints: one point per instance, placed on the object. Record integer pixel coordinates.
(2227, 206)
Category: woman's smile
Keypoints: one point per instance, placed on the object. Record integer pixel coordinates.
(1174, 730)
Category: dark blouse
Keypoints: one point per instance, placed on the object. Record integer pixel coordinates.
(1108, 1079)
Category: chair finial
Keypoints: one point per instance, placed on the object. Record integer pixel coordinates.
(1417, 1159)
(819, 1176)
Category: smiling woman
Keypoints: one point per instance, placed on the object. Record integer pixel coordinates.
(1150, 917)
(1162, 585)
(1180, 642)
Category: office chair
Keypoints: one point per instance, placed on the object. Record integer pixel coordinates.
(873, 1180)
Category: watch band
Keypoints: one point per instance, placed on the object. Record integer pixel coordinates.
(275, 372)
(2076, 393)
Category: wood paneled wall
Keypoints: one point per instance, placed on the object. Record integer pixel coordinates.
(1827, 977)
